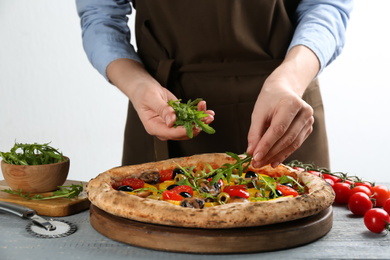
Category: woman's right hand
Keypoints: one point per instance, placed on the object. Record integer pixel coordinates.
(150, 100)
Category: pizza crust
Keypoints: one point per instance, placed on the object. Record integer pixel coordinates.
(103, 195)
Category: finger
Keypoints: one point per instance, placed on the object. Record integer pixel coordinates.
(279, 125)
(291, 118)
(176, 134)
(281, 157)
(259, 124)
(203, 107)
(293, 139)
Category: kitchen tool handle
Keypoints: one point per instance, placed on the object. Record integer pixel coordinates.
(16, 209)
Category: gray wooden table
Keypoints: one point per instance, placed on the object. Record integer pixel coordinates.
(348, 239)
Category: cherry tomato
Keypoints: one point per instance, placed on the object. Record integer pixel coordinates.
(359, 203)
(220, 181)
(386, 206)
(234, 187)
(166, 175)
(134, 183)
(342, 192)
(363, 189)
(182, 188)
(380, 193)
(238, 193)
(364, 183)
(334, 178)
(350, 182)
(170, 195)
(287, 191)
(315, 173)
(376, 220)
(330, 181)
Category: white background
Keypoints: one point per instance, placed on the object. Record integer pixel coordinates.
(50, 93)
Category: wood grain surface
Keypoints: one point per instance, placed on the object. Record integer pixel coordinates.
(55, 207)
(212, 241)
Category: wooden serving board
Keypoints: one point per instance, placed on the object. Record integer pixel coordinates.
(212, 241)
(59, 207)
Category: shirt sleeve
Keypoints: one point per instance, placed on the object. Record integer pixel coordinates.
(105, 33)
(321, 27)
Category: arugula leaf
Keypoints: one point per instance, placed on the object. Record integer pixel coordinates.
(188, 116)
(68, 192)
(32, 154)
(226, 171)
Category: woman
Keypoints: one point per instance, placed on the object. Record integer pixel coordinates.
(255, 63)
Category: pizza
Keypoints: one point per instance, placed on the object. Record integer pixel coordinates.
(210, 191)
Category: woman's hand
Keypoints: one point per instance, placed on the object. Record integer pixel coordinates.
(150, 100)
(281, 120)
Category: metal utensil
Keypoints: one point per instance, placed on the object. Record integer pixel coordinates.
(39, 227)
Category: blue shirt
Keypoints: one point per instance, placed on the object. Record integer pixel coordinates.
(106, 35)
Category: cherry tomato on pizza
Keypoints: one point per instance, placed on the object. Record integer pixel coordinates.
(166, 175)
(170, 195)
(134, 183)
(237, 191)
(183, 188)
(287, 191)
(220, 181)
(377, 220)
(235, 187)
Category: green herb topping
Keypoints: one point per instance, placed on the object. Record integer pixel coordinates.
(32, 154)
(188, 116)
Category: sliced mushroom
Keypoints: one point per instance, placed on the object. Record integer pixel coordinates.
(144, 194)
(151, 177)
(193, 202)
(238, 200)
(213, 190)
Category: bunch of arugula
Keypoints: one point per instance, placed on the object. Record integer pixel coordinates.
(188, 116)
(32, 154)
(68, 192)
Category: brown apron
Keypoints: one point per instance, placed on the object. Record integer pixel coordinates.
(221, 51)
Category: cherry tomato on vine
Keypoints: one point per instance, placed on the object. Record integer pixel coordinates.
(350, 182)
(341, 189)
(359, 203)
(386, 206)
(380, 193)
(376, 220)
(335, 179)
(364, 183)
(315, 173)
(330, 181)
(134, 183)
(363, 189)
